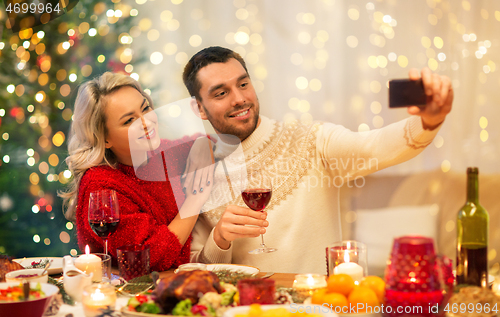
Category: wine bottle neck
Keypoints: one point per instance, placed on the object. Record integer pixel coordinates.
(472, 188)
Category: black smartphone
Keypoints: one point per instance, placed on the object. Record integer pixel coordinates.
(406, 92)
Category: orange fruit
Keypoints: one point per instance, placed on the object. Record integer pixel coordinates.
(317, 297)
(376, 284)
(365, 297)
(334, 300)
(340, 283)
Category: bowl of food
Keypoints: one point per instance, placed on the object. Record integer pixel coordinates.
(12, 302)
(28, 275)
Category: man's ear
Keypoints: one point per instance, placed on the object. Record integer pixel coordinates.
(197, 108)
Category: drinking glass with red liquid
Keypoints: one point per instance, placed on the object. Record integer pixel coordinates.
(256, 191)
(104, 214)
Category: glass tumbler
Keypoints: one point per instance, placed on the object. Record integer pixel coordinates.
(347, 257)
(133, 261)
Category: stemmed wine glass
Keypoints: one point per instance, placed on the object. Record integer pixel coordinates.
(256, 191)
(104, 214)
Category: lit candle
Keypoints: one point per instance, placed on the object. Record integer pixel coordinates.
(90, 263)
(307, 284)
(352, 269)
(98, 297)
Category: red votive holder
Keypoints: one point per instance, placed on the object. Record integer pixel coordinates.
(416, 278)
(256, 291)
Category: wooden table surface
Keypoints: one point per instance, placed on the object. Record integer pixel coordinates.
(281, 279)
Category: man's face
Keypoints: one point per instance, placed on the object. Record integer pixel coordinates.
(228, 99)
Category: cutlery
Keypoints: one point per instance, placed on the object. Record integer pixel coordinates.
(46, 268)
(268, 274)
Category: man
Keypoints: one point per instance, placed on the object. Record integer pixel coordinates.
(307, 165)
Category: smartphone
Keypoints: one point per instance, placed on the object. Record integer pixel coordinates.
(406, 92)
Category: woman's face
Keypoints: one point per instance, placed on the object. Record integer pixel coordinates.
(131, 124)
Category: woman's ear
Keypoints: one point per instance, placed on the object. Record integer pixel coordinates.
(108, 144)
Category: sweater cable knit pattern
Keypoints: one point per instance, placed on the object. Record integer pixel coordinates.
(285, 169)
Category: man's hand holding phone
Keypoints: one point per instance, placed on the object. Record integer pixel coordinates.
(438, 92)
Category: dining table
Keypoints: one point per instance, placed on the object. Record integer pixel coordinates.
(281, 280)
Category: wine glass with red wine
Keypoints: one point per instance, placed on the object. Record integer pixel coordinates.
(104, 214)
(256, 191)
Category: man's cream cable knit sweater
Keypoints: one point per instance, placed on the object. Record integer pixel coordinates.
(308, 165)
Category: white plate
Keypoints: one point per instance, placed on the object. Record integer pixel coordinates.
(233, 267)
(293, 308)
(56, 265)
(230, 267)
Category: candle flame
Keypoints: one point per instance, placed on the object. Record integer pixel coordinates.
(87, 249)
(310, 280)
(346, 257)
(98, 295)
(412, 277)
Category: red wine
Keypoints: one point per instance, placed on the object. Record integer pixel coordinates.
(257, 199)
(104, 228)
(475, 264)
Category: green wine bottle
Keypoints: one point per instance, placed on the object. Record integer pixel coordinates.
(472, 237)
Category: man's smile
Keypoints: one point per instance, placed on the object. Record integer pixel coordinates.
(241, 114)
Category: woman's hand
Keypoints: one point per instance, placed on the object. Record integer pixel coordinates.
(183, 223)
(199, 167)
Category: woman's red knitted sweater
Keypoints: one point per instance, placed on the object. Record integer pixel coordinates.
(146, 209)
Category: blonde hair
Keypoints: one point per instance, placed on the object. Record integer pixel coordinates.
(86, 145)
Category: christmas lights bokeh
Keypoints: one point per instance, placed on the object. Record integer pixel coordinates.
(40, 69)
(320, 60)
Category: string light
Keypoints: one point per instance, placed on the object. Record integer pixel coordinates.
(309, 64)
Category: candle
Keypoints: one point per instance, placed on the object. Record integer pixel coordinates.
(98, 297)
(90, 263)
(350, 268)
(307, 284)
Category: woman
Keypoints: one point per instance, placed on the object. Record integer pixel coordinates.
(100, 157)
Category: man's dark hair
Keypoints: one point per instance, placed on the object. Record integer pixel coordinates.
(207, 56)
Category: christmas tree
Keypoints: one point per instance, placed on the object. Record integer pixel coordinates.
(40, 70)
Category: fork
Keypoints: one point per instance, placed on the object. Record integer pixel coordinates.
(268, 274)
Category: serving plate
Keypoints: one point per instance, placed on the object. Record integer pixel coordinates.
(233, 267)
(293, 308)
(251, 270)
(56, 264)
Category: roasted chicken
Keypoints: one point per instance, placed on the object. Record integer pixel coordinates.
(7, 265)
(185, 285)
